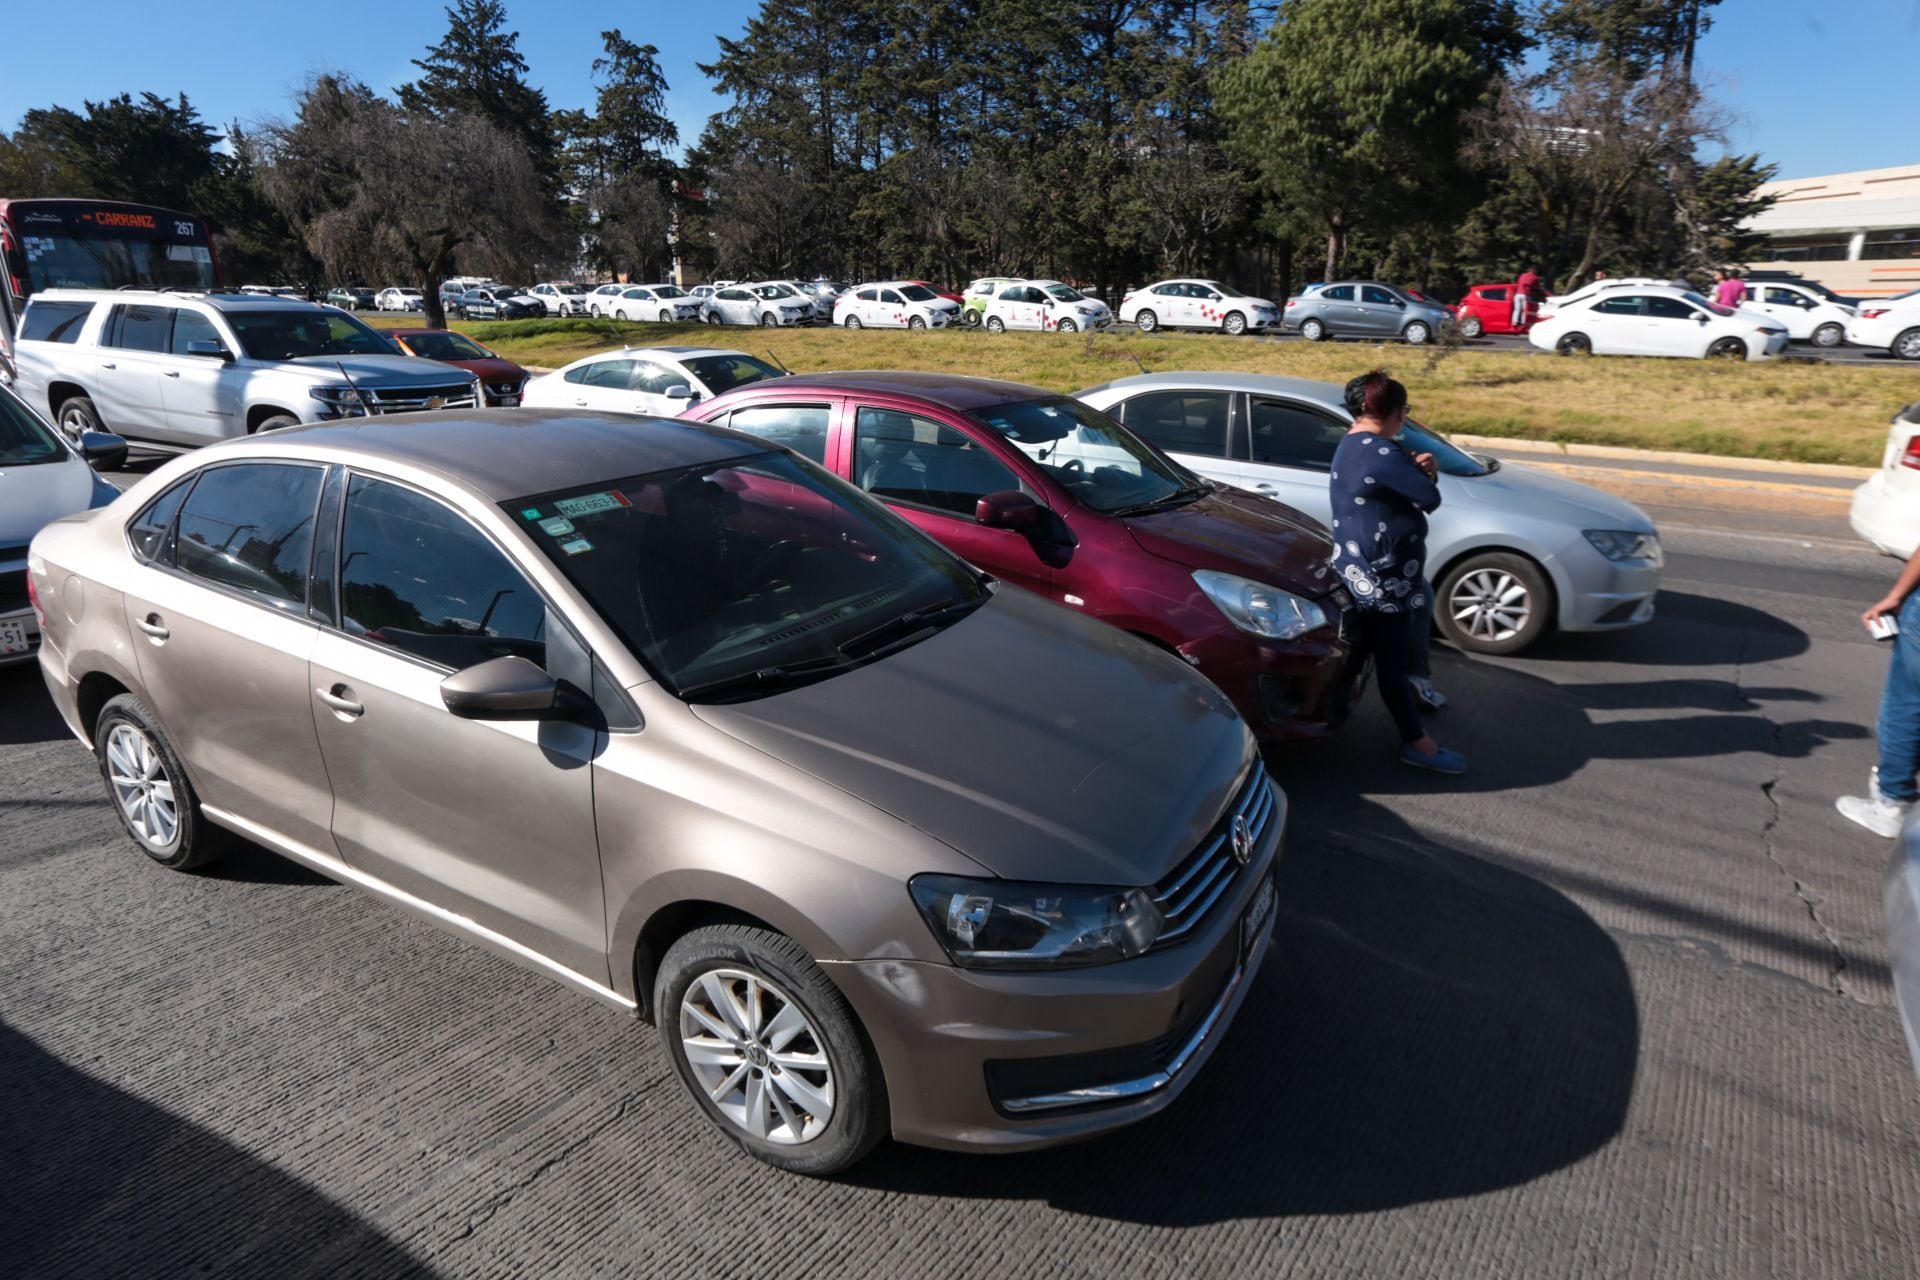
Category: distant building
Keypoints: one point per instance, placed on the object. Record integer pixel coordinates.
(1856, 233)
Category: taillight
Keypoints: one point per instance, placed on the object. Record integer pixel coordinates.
(1875, 314)
(1911, 458)
(33, 598)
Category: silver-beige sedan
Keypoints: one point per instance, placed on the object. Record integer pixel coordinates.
(1513, 552)
(673, 717)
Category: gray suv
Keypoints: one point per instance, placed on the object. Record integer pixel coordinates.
(181, 370)
(1367, 309)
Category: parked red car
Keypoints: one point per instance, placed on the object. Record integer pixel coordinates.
(1047, 493)
(501, 378)
(948, 294)
(1488, 308)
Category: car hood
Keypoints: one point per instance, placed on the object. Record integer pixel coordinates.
(377, 370)
(32, 496)
(1240, 533)
(1524, 491)
(492, 369)
(1040, 743)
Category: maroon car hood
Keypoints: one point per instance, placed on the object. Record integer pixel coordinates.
(1237, 532)
(491, 370)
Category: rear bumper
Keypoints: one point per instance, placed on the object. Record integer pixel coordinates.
(1880, 517)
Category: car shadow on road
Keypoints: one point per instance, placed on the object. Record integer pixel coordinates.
(1427, 1026)
(27, 714)
(100, 1182)
(1686, 630)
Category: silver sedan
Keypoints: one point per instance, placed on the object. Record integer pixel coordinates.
(1513, 552)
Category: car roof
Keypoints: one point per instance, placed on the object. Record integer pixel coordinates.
(954, 391)
(236, 302)
(671, 353)
(510, 453)
(1657, 290)
(1326, 393)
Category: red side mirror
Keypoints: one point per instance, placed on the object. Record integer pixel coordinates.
(1007, 509)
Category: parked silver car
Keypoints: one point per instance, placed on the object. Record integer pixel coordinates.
(1513, 552)
(1367, 309)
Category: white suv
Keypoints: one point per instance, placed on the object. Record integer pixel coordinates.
(181, 370)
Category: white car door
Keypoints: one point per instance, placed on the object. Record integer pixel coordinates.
(124, 383)
(204, 396)
(891, 310)
(1673, 327)
(603, 384)
(1792, 309)
(1030, 309)
(1614, 325)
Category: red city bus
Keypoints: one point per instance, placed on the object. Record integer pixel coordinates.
(98, 244)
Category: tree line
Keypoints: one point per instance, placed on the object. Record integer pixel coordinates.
(1107, 142)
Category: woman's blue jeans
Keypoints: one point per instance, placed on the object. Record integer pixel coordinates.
(1899, 728)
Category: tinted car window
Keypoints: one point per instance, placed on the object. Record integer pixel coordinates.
(1618, 306)
(1493, 295)
(151, 530)
(656, 378)
(1378, 296)
(1339, 293)
(1669, 309)
(191, 326)
(906, 458)
(724, 373)
(868, 295)
(249, 527)
(800, 427)
(417, 577)
(1289, 435)
(1171, 290)
(54, 321)
(1784, 298)
(287, 335)
(142, 328)
(1181, 421)
(616, 374)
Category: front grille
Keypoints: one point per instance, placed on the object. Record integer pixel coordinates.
(1193, 889)
(458, 395)
(13, 591)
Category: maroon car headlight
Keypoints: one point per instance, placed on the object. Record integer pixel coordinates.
(1010, 924)
(1264, 610)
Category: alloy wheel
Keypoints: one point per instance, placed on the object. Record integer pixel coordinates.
(1907, 345)
(759, 1057)
(1236, 324)
(1491, 604)
(1828, 335)
(141, 786)
(1146, 322)
(73, 424)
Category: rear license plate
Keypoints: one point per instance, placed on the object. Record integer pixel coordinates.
(1253, 925)
(13, 635)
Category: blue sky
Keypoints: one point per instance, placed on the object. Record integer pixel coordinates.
(1791, 70)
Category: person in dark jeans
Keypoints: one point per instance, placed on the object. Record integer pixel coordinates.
(1891, 793)
(1381, 495)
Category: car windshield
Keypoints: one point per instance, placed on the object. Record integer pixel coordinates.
(1449, 457)
(1227, 290)
(669, 291)
(288, 335)
(1699, 301)
(734, 579)
(571, 290)
(409, 293)
(775, 291)
(1065, 293)
(724, 373)
(1092, 457)
(24, 439)
(917, 293)
(447, 346)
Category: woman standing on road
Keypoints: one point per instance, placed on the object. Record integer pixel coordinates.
(1381, 494)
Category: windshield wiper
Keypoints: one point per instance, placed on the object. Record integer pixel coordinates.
(767, 679)
(1179, 498)
(895, 633)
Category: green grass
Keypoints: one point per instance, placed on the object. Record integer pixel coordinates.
(1783, 409)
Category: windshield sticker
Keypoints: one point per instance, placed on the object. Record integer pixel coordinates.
(576, 546)
(589, 503)
(558, 527)
(530, 513)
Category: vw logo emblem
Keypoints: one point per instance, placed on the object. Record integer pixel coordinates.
(1242, 840)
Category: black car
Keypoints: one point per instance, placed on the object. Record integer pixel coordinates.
(352, 297)
(492, 304)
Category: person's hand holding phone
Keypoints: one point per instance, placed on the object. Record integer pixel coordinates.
(1426, 463)
(1889, 606)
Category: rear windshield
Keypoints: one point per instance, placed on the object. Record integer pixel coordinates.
(724, 373)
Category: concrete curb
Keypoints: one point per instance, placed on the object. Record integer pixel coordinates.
(1505, 444)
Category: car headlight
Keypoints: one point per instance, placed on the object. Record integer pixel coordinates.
(1625, 544)
(1261, 609)
(1008, 924)
(341, 398)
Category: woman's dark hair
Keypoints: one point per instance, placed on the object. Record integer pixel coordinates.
(1375, 395)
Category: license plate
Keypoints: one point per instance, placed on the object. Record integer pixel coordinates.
(1253, 925)
(13, 635)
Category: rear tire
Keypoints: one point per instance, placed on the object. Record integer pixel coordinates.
(1906, 346)
(852, 322)
(1574, 344)
(703, 980)
(996, 325)
(1313, 331)
(150, 791)
(1506, 601)
(1146, 321)
(1829, 335)
(77, 417)
(1472, 328)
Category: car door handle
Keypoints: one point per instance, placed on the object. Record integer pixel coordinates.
(152, 625)
(108, 364)
(172, 373)
(580, 402)
(1264, 487)
(345, 706)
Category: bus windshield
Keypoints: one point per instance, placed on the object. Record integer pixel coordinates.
(85, 244)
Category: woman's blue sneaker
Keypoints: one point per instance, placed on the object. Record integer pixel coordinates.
(1442, 760)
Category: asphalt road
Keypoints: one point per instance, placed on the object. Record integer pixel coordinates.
(1616, 1004)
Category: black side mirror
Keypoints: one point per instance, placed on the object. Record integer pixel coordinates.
(104, 450)
(209, 347)
(509, 688)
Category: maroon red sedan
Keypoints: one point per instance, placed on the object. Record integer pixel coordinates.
(1049, 494)
(502, 379)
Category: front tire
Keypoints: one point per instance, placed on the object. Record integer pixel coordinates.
(1066, 326)
(1313, 331)
(1417, 334)
(915, 322)
(666, 317)
(1574, 344)
(1235, 324)
(1146, 322)
(996, 325)
(770, 1049)
(1906, 346)
(150, 790)
(77, 417)
(769, 321)
(1494, 602)
(1727, 349)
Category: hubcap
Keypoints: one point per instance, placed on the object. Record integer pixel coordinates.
(1491, 604)
(74, 424)
(762, 1063)
(141, 787)
(1909, 345)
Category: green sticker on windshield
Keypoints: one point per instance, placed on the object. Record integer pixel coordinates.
(530, 513)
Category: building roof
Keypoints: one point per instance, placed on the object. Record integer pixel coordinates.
(1866, 200)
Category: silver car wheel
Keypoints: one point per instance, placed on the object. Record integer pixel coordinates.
(1491, 604)
(74, 423)
(141, 787)
(1907, 345)
(761, 1060)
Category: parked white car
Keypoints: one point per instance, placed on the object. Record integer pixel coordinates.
(663, 302)
(1891, 324)
(894, 304)
(397, 298)
(1886, 509)
(1197, 304)
(767, 303)
(1657, 320)
(600, 301)
(1807, 316)
(561, 297)
(978, 294)
(1044, 304)
(1595, 288)
(654, 380)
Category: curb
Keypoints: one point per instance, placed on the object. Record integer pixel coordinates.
(1518, 445)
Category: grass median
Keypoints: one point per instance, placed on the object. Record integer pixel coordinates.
(1792, 410)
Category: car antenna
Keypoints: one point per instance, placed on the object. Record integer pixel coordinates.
(783, 367)
(366, 402)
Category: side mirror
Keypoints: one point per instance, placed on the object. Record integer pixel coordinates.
(679, 391)
(209, 347)
(1400, 303)
(1700, 316)
(1007, 509)
(105, 451)
(509, 688)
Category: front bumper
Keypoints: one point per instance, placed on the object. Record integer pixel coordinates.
(1880, 517)
(960, 1048)
(1284, 689)
(1608, 594)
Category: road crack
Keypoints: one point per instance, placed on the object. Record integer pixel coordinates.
(488, 1211)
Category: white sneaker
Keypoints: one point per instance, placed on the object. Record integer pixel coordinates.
(1430, 698)
(1876, 813)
